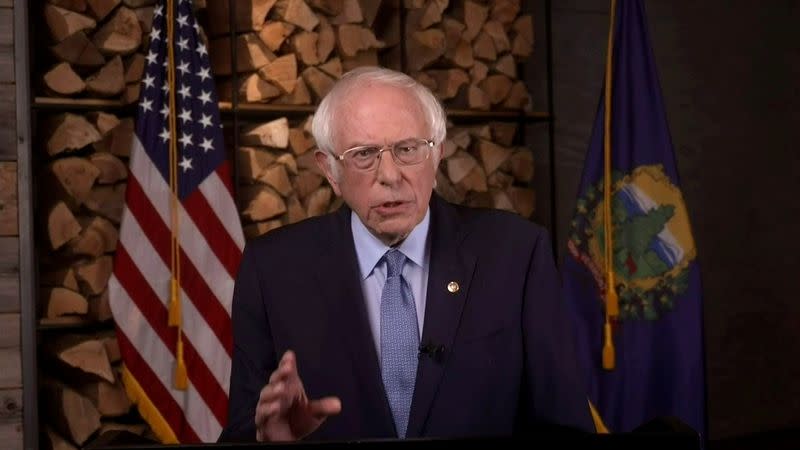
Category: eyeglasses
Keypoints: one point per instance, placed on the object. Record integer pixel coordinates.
(406, 153)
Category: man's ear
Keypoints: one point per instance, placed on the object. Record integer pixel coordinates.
(324, 163)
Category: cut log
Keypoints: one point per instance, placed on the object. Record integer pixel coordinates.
(352, 39)
(319, 82)
(253, 162)
(350, 13)
(93, 275)
(522, 45)
(110, 399)
(107, 200)
(134, 428)
(369, 10)
(107, 232)
(507, 66)
(503, 132)
(69, 412)
(446, 189)
(61, 225)
(304, 44)
(145, 16)
(78, 50)
(100, 308)
(60, 301)
(326, 39)
(273, 34)
(62, 80)
(103, 121)
(101, 8)
(118, 142)
(250, 15)
(87, 355)
(424, 48)
(504, 11)
(524, 200)
(138, 3)
(277, 178)
(299, 141)
(122, 34)
(475, 181)
(474, 15)
(492, 155)
(518, 97)
(261, 203)
(448, 82)
(109, 80)
(300, 96)
(433, 13)
(51, 440)
(134, 68)
(294, 210)
(60, 278)
(483, 47)
(296, 12)
(497, 32)
(271, 134)
(333, 67)
(478, 72)
(251, 54)
(364, 58)
(109, 340)
(282, 72)
(111, 168)
(496, 87)
(287, 159)
(306, 182)
(459, 166)
(477, 98)
(254, 89)
(329, 7)
(461, 55)
(63, 22)
(522, 165)
(499, 180)
(75, 176)
(318, 202)
(70, 132)
(132, 93)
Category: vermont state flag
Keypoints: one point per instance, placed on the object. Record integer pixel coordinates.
(635, 289)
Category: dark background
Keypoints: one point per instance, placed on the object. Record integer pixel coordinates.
(730, 77)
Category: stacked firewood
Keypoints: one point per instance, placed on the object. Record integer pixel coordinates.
(291, 51)
(81, 190)
(280, 182)
(99, 47)
(468, 51)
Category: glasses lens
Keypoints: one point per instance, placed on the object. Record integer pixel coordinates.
(411, 151)
(363, 157)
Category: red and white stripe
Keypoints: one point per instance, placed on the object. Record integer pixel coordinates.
(211, 243)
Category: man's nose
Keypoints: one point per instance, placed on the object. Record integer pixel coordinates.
(388, 170)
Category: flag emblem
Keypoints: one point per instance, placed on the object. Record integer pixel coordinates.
(652, 246)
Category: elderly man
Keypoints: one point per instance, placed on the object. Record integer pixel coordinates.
(399, 315)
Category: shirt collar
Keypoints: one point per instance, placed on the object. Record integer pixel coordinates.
(370, 249)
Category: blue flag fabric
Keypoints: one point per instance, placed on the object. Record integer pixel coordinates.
(658, 336)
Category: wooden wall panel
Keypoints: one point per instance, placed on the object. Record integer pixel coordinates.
(9, 332)
(8, 199)
(6, 45)
(9, 275)
(8, 119)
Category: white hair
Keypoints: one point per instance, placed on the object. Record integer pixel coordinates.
(323, 124)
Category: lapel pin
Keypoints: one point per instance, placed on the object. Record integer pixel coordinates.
(452, 287)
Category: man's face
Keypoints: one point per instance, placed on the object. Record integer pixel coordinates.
(390, 199)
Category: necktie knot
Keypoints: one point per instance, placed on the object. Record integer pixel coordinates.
(394, 262)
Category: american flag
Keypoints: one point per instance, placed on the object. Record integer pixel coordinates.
(176, 342)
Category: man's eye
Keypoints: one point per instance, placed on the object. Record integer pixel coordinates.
(406, 149)
(365, 153)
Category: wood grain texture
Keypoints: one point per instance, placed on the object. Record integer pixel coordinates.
(10, 369)
(9, 331)
(11, 434)
(8, 119)
(6, 45)
(9, 275)
(8, 199)
(10, 405)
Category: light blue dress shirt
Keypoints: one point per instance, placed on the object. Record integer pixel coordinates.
(370, 250)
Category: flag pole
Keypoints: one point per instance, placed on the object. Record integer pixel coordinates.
(612, 301)
(174, 318)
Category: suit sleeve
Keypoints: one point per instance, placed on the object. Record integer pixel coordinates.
(555, 387)
(253, 353)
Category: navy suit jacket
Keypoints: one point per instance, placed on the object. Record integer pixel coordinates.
(507, 366)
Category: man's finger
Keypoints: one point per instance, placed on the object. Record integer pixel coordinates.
(324, 407)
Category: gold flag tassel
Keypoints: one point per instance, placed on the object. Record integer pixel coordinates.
(174, 310)
(612, 301)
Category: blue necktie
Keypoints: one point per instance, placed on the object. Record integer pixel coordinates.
(399, 340)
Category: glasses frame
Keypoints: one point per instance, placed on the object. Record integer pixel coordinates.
(391, 147)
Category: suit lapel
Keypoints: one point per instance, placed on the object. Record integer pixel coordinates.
(448, 264)
(339, 281)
